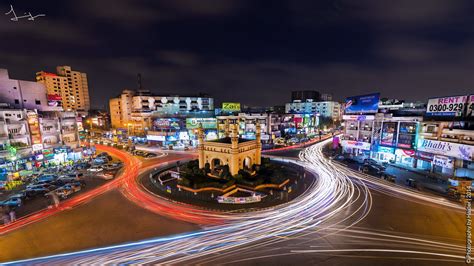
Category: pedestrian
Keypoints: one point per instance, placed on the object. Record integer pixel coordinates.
(12, 215)
(5, 218)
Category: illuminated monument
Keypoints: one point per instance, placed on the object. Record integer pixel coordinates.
(231, 150)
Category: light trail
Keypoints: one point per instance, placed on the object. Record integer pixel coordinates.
(331, 206)
(131, 167)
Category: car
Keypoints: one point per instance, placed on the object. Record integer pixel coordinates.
(63, 192)
(21, 195)
(411, 183)
(106, 176)
(95, 169)
(150, 155)
(361, 158)
(372, 169)
(12, 202)
(40, 188)
(388, 177)
(46, 178)
(72, 186)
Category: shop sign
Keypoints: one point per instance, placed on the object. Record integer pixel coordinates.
(386, 150)
(424, 156)
(446, 106)
(356, 144)
(231, 107)
(470, 106)
(461, 151)
(155, 138)
(37, 147)
(443, 161)
(239, 200)
(358, 117)
(207, 123)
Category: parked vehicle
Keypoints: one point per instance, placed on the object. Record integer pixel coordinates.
(373, 169)
(95, 169)
(411, 183)
(64, 193)
(12, 202)
(21, 195)
(73, 186)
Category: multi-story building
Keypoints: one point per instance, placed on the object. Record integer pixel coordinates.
(437, 137)
(305, 95)
(136, 109)
(325, 109)
(21, 94)
(71, 86)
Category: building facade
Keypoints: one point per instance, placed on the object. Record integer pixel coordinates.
(136, 109)
(327, 108)
(71, 86)
(21, 94)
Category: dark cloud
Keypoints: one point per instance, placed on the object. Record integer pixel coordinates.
(255, 52)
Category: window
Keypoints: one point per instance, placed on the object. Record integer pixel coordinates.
(17, 101)
(37, 102)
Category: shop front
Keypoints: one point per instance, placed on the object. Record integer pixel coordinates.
(449, 158)
(405, 157)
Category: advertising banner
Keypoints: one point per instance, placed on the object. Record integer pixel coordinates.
(207, 123)
(356, 144)
(446, 106)
(389, 133)
(362, 104)
(470, 106)
(443, 161)
(239, 200)
(54, 100)
(231, 107)
(461, 151)
(33, 124)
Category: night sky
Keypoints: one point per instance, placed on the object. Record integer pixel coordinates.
(254, 52)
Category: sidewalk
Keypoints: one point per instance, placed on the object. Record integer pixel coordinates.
(424, 181)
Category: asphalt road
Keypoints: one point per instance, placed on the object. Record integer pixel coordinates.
(109, 219)
(392, 225)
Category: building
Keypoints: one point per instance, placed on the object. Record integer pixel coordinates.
(230, 150)
(305, 95)
(437, 137)
(136, 109)
(326, 109)
(21, 94)
(326, 97)
(70, 86)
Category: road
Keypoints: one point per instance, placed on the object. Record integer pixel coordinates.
(344, 218)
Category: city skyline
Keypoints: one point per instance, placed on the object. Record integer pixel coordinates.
(263, 51)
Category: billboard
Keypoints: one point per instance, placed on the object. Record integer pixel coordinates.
(368, 103)
(470, 106)
(207, 123)
(356, 144)
(461, 151)
(389, 133)
(231, 107)
(54, 100)
(446, 106)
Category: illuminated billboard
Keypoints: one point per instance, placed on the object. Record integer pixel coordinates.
(368, 103)
(447, 106)
(231, 107)
(207, 123)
